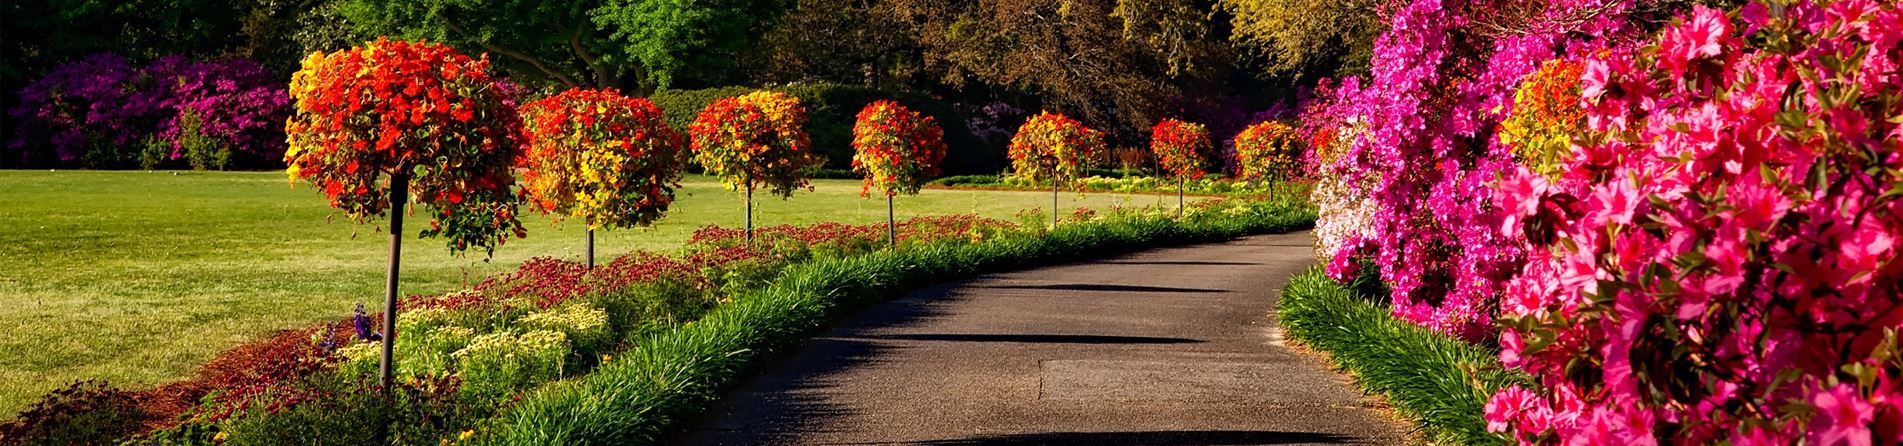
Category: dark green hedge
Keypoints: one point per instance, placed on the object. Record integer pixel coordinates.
(831, 110)
(1439, 382)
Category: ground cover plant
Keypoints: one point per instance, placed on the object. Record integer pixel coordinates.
(196, 263)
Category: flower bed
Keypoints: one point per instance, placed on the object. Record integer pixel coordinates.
(465, 356)
(1208, 186)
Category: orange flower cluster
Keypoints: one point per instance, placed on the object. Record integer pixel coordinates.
(1051, 142)
(1180, 147)
(414, 109)
(602, 157)
(1268, 150)
(1546, 115)
(754, 140)
(896, 148)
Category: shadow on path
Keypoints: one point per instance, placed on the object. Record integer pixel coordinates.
(1144, 438)
(1099, 287)
(1035, 338)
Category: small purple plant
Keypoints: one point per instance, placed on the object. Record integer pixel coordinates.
(364, 330)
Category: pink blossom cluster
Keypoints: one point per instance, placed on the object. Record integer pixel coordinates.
(1718, 262)
(1423, 155)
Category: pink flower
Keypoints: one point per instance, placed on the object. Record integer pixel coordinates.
(1843, 417)
(1593, 82)
(1702, 36)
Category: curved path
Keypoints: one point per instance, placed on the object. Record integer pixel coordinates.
(1164, 347)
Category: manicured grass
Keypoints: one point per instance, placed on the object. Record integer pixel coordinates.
(139, 277)
(1439, 382)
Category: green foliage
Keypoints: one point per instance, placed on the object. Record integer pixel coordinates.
(681, 41)
(830, 113)
(669, 378)
(350, 413)
(1307, 38)
(496, 365)
(1438, 381)
(552, 41)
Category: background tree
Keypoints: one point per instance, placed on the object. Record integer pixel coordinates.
(898, 150)
(1181, 149)
(376, 126)
(1055, 147)
(755, 140)
(1307, 38)
(607, 159)
(683, 42)
(552, 41)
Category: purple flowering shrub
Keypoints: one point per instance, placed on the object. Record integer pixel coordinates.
(103, 112)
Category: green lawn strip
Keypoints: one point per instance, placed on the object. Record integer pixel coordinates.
(674, 376)
(1439, 382)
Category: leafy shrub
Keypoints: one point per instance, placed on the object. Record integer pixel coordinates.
(85, 412)
(1182, 148)
(459, 166)
(337, 409)
(1718, 261)
(1268, 150)
(1054, 147)
(831, 111)
(897, 149)
(755, 140)
(606, 159)
(585, 327)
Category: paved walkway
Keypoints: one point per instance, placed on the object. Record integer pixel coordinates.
(1165, 347)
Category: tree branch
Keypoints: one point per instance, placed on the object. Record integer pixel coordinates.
(581, 52)
(518, 55)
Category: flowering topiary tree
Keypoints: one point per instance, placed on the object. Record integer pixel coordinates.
(1180, 148)
(601, 157)
(1718, 261)
(376, 126)
(1057, 147)
(755, 140)
(898, 150)
(1268, 150)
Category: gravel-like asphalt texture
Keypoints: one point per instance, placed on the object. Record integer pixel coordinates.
(1164, 347)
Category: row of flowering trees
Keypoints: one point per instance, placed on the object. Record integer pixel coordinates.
(1687, 235)
(378, 126)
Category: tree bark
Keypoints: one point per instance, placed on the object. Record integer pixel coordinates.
(399, 193)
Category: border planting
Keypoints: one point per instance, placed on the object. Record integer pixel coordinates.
(671, 378)
(1439, 382)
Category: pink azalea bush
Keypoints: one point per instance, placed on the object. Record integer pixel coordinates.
(1718, 261)
(1443, 77)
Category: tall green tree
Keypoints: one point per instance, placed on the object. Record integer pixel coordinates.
(689, 43)
(1307, 38)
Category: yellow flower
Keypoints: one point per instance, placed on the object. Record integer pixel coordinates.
(467, 433)
(220, 437)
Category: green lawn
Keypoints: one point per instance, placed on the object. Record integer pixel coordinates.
(139, 277)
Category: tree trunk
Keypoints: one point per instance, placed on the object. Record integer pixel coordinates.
(1053, 197)
(399, 193)
(891, 223)
(749, 212)
(1179, 197)
(591, 248)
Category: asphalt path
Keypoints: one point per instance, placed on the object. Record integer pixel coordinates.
(1172, 346)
